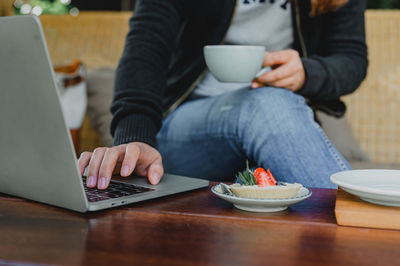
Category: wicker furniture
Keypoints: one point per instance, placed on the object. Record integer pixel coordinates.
(6, 7)
(97, 38)
(374, 109)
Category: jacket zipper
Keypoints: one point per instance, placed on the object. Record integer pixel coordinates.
(184, 95)
(193, 86)
(299, 33)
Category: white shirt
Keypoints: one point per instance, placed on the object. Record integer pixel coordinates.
(257, 22)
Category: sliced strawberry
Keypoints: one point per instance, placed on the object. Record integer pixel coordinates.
(271, 177)
(262, 178)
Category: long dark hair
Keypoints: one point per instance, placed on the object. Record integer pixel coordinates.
(322, 6)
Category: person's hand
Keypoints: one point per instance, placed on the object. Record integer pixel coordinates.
(136, 157)
(287, 71)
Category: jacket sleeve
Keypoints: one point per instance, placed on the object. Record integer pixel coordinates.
(342, 63)
(141, 75)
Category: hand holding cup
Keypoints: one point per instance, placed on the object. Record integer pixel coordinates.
(287, 71)
(242, 63)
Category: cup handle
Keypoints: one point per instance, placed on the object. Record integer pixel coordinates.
(263, 70)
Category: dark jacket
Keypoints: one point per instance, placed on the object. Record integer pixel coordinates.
(163, 58)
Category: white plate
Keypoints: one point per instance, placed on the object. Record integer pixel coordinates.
(373, 185)
(263, 205)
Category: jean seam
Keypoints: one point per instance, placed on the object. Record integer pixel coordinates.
(329, 144)
(240, 135)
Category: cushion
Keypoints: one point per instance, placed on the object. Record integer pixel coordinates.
(374, 165)
(100, 86)
(339, 132)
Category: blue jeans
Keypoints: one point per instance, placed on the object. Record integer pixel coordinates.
(273, 128)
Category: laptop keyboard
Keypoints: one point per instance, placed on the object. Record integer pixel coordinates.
(114, 190)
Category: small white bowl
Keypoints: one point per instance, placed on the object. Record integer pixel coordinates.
(262, 205)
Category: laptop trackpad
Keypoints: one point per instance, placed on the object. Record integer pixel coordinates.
(168, 182)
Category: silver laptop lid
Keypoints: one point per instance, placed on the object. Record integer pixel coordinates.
(37, 158)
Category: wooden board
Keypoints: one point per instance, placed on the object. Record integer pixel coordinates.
(350, 210)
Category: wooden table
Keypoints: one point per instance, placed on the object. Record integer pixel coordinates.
(192, 228)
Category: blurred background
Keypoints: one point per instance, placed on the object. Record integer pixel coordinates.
(60, 7)
(383, 4)
(115, 5)
(91, 33)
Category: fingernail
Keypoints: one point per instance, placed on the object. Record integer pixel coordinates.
(125, 170)
(156, 178)
(103, 182)
(91, 181)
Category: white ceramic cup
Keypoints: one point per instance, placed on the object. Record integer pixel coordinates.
(235, 63)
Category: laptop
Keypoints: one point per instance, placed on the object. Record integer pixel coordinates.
(37, 157)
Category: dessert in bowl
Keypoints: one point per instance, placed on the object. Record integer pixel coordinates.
(258, 191)
(261, 184)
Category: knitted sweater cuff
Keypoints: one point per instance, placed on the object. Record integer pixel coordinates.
(135, 128)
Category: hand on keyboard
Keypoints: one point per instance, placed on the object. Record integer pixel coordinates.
(136, 157)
